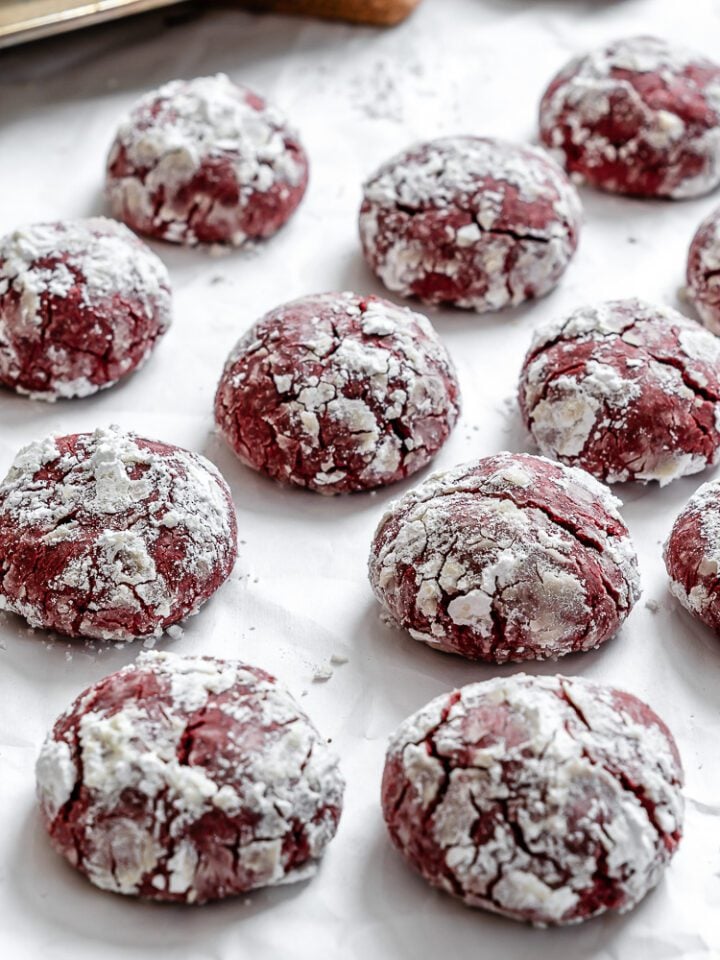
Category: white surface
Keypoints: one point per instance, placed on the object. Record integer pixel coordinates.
(299, 592)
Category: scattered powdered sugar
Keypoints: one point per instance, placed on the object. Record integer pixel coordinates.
(111, 286)
(140, 763)
(626, 389)
(376, 93)
(512, 557)
(337, 392)
(208, 124)
(600, 116)
(138, 534)
(547, 799)
(440, 221)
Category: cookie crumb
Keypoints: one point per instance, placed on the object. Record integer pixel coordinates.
(322, 674)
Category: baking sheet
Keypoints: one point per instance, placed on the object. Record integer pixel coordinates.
(23, 20)
(299, 592)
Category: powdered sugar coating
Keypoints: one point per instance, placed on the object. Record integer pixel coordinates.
(470, 221)
(638, 116)
(205, 161)
(337, 392)
(508, 558)
(626, 389)
(82, 304)
(188, 779)
(703, 272)
(111, 536)
(546, 799)
(692, 555)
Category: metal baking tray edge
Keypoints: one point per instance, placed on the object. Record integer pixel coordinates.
(23, 20)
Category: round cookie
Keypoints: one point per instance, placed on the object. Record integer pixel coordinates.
(692, 555)
(470, 221)
(111, 536)
(205, 162)
(337, 393)
(188, 779)
(703, 272)
(546, 799)
(627, 390)
(640, 116)
(507, 558)
(82, 304)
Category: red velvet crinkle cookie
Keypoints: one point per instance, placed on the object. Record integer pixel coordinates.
(82, 304)
(627, 390)
(511, 557)
(639, 116)
(470, 221)
(111, 536)
(188, 779)
(703, 272)
(545, 799)
(205, 162)
(337, 393)
(692, 555)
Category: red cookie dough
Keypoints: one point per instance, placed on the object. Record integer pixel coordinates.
(627, 390)
(703, 272)
(640, 116)
(336, 393)
(511, 557)
(545, 799)
(111, 536)
(470, 221)
(205, 162)
(692, 555)
(82, 304)
(188, 779)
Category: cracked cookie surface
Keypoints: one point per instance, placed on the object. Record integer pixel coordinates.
(703, 272)
(205, 161)
(545, 799)
(628, 390)
(470, 221)
(188, 779)
(82, 304)
(508, 558)
(692, 555)
(639, 116)
(111, 536)
(338, 393)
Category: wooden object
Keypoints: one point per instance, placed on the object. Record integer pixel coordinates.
(384, 12)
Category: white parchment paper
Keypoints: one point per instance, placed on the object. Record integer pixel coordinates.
(299, 592)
